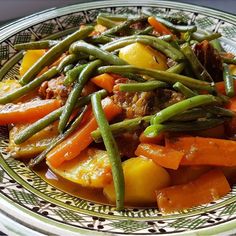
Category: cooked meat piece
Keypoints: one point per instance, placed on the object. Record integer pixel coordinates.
(134, 104)
(54, 88)
(128, 143)
(210, 59)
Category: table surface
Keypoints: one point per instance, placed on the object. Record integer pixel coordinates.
(13, 9)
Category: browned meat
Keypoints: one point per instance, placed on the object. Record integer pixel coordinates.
(54, 88)
(210, 59)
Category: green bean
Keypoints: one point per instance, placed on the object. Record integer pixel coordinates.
(100, 39)
(123, 26)
(37, 126)
(38, 159)
(123, 126)
(178, 68)
(52, 54)
(76, 92)
(220, 111)
(217, 45)
(113, 17)
(178, 28)
(69, 59)
(67, 69)
(192, 114)
(145, 31)
(208, 37)
(229, 81)
(112, 150)
(181, 106)
(134, 77)
(44, 44)
(142, 87)
(198, 69)
(155, 130)
(81, 46)
(152, 41)
(188, 93)
(29, 87)
(73, 74)
(229, 60)
(108, 23)
(158, 75)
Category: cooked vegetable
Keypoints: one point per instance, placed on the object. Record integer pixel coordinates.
(159, 139)
(29, 59)
(91, 168)
(158, 75)
(163, 156)
(89, 49)
(72, 127)
(34, 145)
(204, 151)
(142, 178)
(36, 45)
(104, 81)
(182, 106)
(73, 74)
(75, 93)
(52, 54)
(231, 105)
(21, 91)
(199, 71)
(207, 188)
(112, 150)
(69, 59)
(229, 81)
(80, 140)
(188, 93)
(27, 112)
(159, 27)
(138, 54)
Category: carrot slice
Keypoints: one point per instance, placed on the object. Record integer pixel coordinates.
(162, 156)
(220, 86)
(27, 112)
(156, 140)
(78, 141)
(207, 188)
(204, 151)
(105, 81)
(231, 105)
(159, 27)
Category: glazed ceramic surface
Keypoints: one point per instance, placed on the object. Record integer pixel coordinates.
(28, 200)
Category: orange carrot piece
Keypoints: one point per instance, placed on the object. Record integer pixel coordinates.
(81, 139)
(27, 112)
(155, 140)
(159, 27)
(215, 132)
(162, 156)
(231, 105)
(104, 81)
(220, 86)
(207, 188)
(204, 151)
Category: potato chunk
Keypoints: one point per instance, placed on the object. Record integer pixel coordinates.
(142, 178)
(91, 168)
(141, 55)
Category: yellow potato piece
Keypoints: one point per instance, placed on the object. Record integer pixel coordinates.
(30, 57)
(91, 168)
(34, 145)
(141, 55)
(8, 86)
(142, 178)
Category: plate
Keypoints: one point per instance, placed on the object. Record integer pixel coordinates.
(35, 205)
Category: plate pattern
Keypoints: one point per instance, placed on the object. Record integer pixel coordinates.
(26, 189)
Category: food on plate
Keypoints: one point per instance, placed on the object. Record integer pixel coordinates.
(141, 109)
